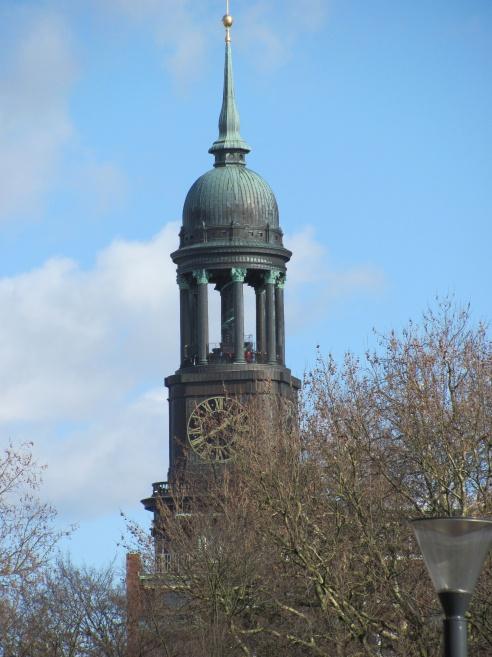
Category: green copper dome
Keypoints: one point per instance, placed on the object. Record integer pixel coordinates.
(230, 202)
(230, 194)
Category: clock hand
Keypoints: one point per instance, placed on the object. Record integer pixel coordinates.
(218, 429)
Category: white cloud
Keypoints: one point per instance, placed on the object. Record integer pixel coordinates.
(82, 357)
(270, 30)
(83, 354)
(267, 30)
(71, 340)
(37, 73)
(314, 283)
(179, 27)
(110, 464)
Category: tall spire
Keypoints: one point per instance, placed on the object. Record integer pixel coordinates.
(230, 147)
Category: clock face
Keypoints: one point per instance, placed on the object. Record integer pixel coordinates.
(214, 426)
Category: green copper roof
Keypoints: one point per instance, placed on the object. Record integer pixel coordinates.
(230, 194)
(229, 133)
(230, 202)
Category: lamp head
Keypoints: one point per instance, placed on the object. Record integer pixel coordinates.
(454, 550)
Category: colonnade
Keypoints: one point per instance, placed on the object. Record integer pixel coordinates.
(194, 320)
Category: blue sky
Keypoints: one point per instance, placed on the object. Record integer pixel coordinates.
(372, 121)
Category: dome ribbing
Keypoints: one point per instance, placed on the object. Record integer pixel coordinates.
(230, 195)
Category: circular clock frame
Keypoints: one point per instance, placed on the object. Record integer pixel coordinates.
(214, 427)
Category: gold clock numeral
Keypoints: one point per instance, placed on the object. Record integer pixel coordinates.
(195, 430)
(196, 442)
(219, 403)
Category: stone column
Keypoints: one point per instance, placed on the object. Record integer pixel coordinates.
(227, 315)
(201, 277)
(260, 324)
(193, 314)
(279, 318)
(270, 281)
(184, 319)
(238, 276)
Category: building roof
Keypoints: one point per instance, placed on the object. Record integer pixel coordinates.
(230, 194)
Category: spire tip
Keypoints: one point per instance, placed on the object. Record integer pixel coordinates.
(227, 22)
(230, 147)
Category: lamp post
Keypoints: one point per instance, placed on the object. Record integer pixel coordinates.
(454, 550)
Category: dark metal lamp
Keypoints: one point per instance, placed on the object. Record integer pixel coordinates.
(454, 550)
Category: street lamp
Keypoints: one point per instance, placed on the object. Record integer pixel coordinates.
(454, 550)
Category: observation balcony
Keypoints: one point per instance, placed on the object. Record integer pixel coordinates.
(165, 493)
(223, 354)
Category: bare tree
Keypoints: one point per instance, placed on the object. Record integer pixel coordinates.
(27, 534)
(303, 544)
(68, 612)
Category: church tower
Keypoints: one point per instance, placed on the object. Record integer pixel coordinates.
(230, 238)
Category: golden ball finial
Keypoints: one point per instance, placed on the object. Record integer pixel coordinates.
(227, 20)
